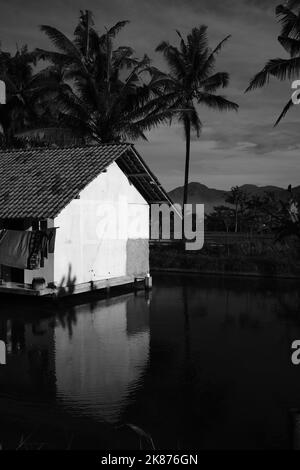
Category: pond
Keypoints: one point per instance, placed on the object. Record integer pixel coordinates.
(198, 363)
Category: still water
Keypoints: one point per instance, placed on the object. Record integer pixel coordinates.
(199, 363)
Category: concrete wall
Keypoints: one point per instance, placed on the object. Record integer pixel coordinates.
(104, 233)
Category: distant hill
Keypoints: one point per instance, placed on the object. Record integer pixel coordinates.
(201, 194)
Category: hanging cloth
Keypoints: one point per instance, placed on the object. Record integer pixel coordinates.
(15, 248)
(51, 235)
(34, 255)
(26, 249)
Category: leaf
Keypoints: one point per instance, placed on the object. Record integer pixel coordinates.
(142, 434)
(284, 112)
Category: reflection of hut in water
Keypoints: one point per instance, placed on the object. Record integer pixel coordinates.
(102, 364)
(89, 370)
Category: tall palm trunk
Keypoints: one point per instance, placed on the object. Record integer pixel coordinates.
(187, 167)
(236, 218)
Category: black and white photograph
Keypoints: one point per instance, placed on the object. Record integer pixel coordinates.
(149, 229)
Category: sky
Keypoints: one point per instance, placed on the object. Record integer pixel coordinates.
(234, 148)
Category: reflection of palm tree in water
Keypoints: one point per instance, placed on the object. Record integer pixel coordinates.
(67, 284)
(67, 318)
(190, 371)
(202, 399)
(187, 332)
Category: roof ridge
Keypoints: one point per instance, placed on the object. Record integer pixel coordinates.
(66, 147)
(41, 182)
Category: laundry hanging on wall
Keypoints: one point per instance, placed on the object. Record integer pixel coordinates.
(26, 249)
(15, 248)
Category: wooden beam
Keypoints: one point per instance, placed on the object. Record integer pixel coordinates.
(138, 175)
(161, 202)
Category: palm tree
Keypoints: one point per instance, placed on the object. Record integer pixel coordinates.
(237, 197)
(282, 69)
(16, 71)
(25, 109)
(101, 93)
(191, 81)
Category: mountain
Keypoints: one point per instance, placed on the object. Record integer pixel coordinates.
(201, 194)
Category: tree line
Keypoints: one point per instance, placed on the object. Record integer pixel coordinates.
(270, 212)
(87, 90)
(91, 91)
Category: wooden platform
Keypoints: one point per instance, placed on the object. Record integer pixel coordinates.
(17, 289)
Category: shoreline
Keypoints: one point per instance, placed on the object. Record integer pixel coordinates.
(223, 273)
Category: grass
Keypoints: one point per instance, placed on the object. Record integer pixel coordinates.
(227, 260)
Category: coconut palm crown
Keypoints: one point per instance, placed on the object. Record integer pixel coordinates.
(101, 92)
(289, 38)
(192, 82)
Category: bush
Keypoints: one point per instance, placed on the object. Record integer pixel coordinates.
(268, 264)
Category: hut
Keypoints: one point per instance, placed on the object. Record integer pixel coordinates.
(74, 219)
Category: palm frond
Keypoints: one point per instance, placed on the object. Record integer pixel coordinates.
(289, 20)
(183, 45)
(278, 68)
(123, 57)
(174, 58)
(154, 119)
(47, 75)
(292, 3)
(61, 41)
(114, 30)
(214, 82)
(197, 41)
(196, 123)
(162, 46)
(210, 61)
(217, 102)
(56, 58)
(284, 112)
(292, 46)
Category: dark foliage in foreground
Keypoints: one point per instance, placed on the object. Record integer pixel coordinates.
(289, 38)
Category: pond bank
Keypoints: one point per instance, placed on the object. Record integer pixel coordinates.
(218, 273)
(285, 264)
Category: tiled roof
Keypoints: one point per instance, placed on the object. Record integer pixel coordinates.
(39, 183)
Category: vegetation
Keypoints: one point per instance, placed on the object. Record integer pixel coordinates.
(254, 214)
(92, 91)
(238, 199)
(88, 91)
(191, 82)
(100, 92)
(23, 89)
(262, 257)
(289, 38)
(257, 235)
